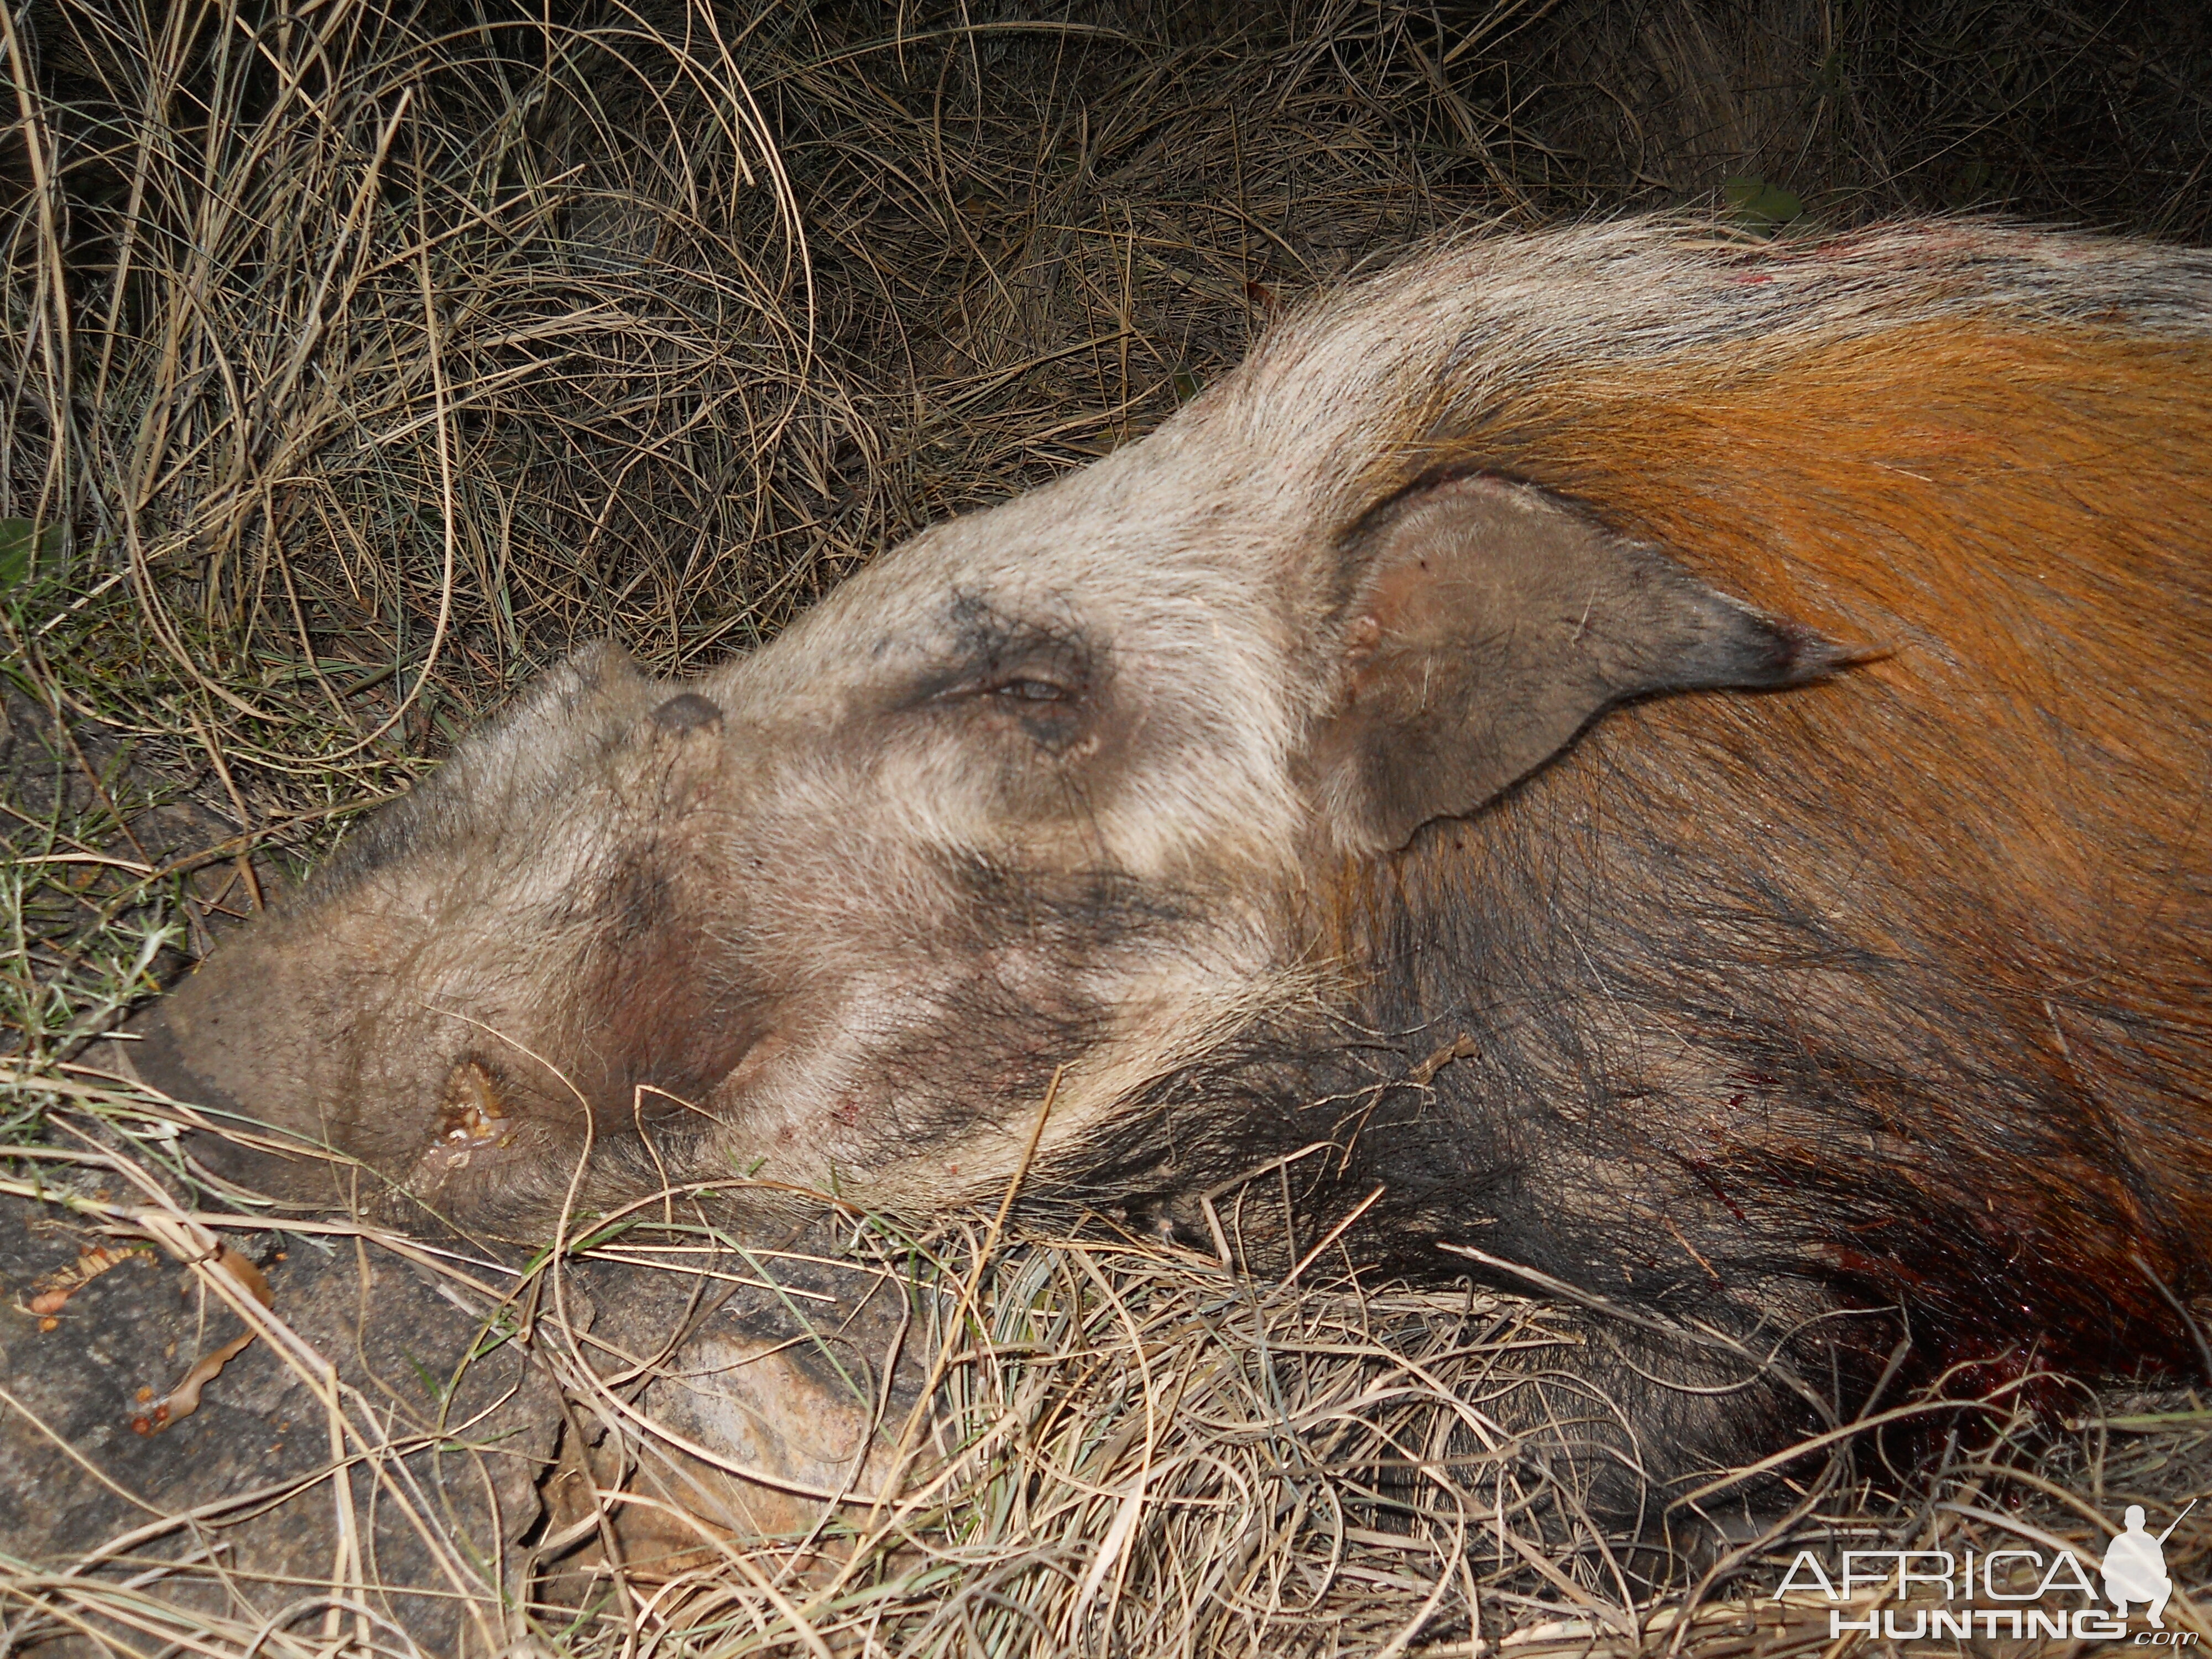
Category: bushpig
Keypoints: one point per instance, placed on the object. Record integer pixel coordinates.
(1675, 766)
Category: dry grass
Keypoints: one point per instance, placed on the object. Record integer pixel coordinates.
(1090, 1445)
(360, 358)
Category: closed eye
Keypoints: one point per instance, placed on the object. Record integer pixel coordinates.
(1043, 676)
(1027, 691)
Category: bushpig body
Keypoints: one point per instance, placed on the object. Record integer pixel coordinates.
(1676, 767)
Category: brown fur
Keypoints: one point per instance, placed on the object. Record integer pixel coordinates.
(2020, 521)
(2048, 685)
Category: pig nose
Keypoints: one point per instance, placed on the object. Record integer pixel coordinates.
(149, 1048)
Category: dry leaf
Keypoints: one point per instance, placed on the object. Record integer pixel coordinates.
(52, 1293)
(183, 1400)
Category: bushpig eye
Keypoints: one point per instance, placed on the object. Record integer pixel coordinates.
(1033, 691)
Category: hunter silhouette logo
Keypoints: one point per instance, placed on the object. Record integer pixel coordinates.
(2016, 1594)
(2134, 1566)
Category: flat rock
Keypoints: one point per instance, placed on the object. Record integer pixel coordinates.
(231, 1508)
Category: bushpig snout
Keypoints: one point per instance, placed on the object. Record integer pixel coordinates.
(239, 1148)
(494, 971)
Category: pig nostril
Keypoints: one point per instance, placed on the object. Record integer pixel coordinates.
(686, 712)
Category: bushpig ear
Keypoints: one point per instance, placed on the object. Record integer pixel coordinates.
(1489, 623)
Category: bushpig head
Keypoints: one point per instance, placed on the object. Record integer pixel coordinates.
(1043, 790)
